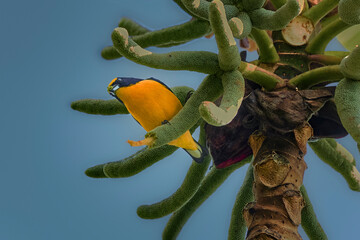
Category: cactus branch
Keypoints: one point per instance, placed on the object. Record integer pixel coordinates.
(211, 182)
(264, 78)
(318, 44)
(191, 61)
(234, 89)
(320, 10)
(318, 75)
(229, 57)
(350, 65)
(132, 27)
(267, 51)
(166, 37)
(270, 20)
(349, 11)
(339, 159)
(200, 8)
(99, 106)
(237, 229)
(309, 221)
(131, 165)
(187, 189)
(240, 25)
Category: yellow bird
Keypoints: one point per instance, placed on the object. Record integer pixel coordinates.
(152, 104)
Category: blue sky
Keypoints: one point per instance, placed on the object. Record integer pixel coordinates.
(50, 56)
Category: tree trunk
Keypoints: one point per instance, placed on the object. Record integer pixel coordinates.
(278, 175)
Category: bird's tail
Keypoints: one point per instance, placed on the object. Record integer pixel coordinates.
(199, 154)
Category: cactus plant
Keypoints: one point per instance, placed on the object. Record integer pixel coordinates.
(262, 112)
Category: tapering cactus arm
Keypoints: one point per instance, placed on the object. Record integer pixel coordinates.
(132, 27)
(99, 106)
(320, 10)
(131, 165)
(339, 159)
(234, 89)
(275, 20)
(187, 189)
(237, 229)
(209, 90)
(211, 182)
(316, 76)
(264, 78)
(229, 57)
(349, 11)
(267, 51)
(350, 65)
(240, 25)
(201, 61)
(170, 36)
(200, 8)
(318, 44)
(309, 221)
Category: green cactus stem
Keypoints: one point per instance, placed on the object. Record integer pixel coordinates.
(250, 5)
(240, 25)
(99, 106)
(229, 57)
(264, 78)
(234, 89)
(166, 37)
(340, 54)
(132, 27)
(199, 61)
(200, 8)
(237, 228)
(309, 222)
(278, 3)
(347, 100)
(267, 51)
(131, 165)
(316, 76)
(209, 90)
(339, 159)
(325, 59)
(182, 6)
(211, 182)
(350, 65)
(318, 44)
(187, 189)
(275, 20)
(320, 10)
(349, 11)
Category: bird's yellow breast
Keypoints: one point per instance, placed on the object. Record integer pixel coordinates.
(149, 102)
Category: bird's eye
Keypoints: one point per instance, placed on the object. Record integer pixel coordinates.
(249, 121)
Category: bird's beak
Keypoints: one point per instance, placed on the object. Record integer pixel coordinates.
(112, 89)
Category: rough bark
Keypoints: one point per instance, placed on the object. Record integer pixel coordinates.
(278, 175)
